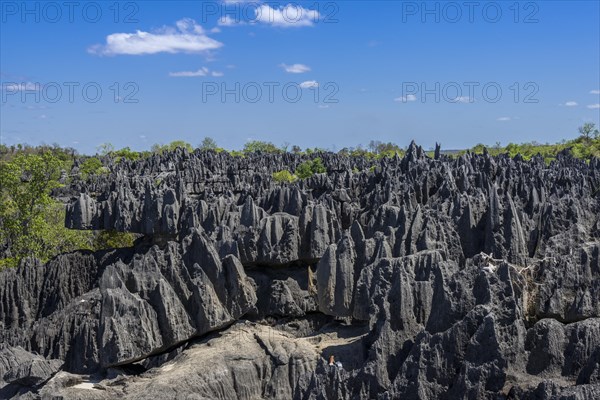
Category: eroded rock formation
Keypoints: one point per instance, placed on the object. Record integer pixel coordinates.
(475, 277)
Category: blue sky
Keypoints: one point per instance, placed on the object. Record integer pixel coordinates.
(449, 72)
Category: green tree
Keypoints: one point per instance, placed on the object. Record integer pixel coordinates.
(105, 149)
(260, 146)
(309, 168)
(161, 148)
(208, 143)
(180, 144)
(31, 222)
(91, 166)
(125, 154)
(587, 131)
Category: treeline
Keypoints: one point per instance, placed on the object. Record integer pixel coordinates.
(585, 146)
(32, 221)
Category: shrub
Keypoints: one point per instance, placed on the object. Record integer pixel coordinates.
(284, 176)
(125, 153)
(161, 148)
(113, 240)
(264, 147)
(91, 166)
(236, 153)
(309, 168)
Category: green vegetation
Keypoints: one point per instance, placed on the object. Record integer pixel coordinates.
(284, 176)
(91, 166)
(309, 168)
(108, 150)
(260, 146)
(66, 155)
(126, 154)
(113, 240)
(161, 148)
(381, 149)
(237, 153)
(209, 144)
(305, 170)
(586, 146)
(32, 223)
(588, 131)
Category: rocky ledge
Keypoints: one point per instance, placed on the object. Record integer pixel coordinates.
(475, 277)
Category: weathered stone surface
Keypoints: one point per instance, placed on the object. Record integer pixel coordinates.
(137, 304)
(474, 277)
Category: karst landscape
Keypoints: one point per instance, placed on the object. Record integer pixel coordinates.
(425, 276)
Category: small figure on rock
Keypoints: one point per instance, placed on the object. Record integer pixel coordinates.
(331, 361)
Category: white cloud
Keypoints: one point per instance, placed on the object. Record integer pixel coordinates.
(288, 16)
(594, 91)
(201, 72)
(323, 106)
(226, 20)
(295, 68)
(22, 86)
(187, 37)
(407, 98)
(309, 84)
(463, 99)
(593, 106)
(570, 103)
(503, 119)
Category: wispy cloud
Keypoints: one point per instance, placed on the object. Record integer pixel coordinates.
(594, 91)
(226, 20)
(201, 72)
(309, 84)
(288, 16)
(21, 86)
(593, 106)
(571, 103)
(407, 98)
(463, 99)
(503, 119)
(295, 68)
(186, 37)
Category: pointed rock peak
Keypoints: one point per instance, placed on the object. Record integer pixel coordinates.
(438, 149)
(414, 152)
(412, 147)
